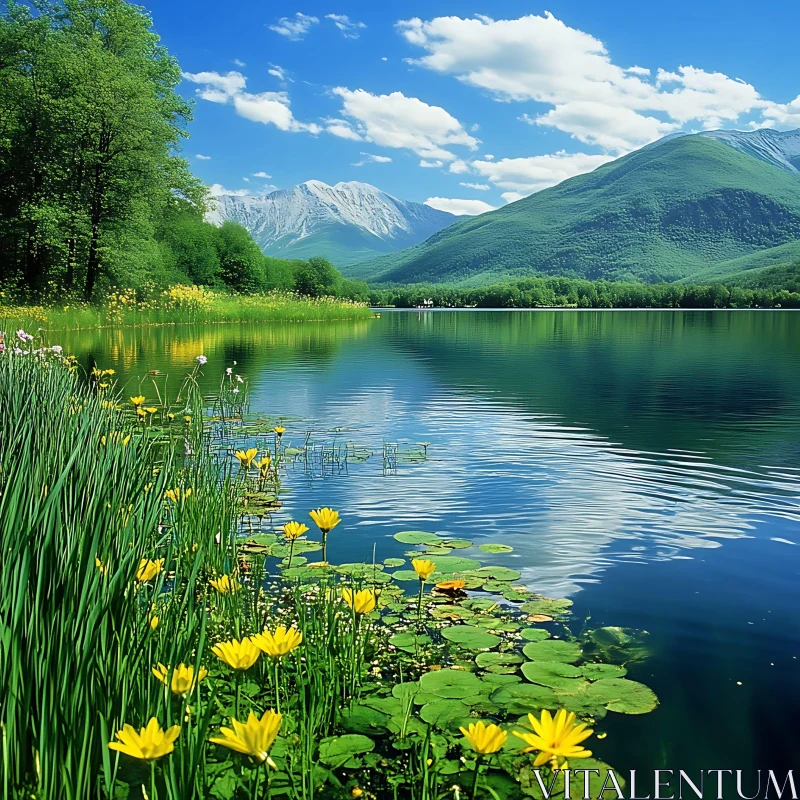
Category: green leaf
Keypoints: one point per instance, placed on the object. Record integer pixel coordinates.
(596, 671)
(623, 695)
(394, 562)
(409, 642)
(495, 548)
(445, 714)
(450, 683)
(553, 650)
(336, 751)
(554, 674)
(471, 637)
(547, 606)
(364, 720)
(534, 634)
(417, 537)
(492, 661)
(499, 573)
(524, 698)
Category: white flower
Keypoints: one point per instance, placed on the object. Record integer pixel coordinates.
(236, 391)
(56, 348)
(202, 360)
(239, 379)
(23, 337)
(229, 371)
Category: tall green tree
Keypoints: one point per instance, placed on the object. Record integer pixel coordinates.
(90, 126)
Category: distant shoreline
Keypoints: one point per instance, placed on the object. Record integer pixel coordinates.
(379, 309)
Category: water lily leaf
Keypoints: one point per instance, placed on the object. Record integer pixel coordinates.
(417, 537)
(430, 551)
(405, 691)
(619, 645)
(479, 603)
(450, 683)
(547, 606)
(394, 562)
(281, 550)
(498, 587)
(499, 573)
(409, 642)
(359, 569)
(494, 660)
(497, 679)
(495, 548)
(596, 671)
(262, 539)
(337, 751)
(364, 720)
(458, 544)
(516, 595)
(471, 637)
(554, 674)
(534, 634)
(454, 563)
(470, 581)
(405, 575)
(520, 698)
(445, 714)
(449, 611)
(553, 650)
(623, 695)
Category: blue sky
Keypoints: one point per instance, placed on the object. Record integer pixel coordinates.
(467, 105)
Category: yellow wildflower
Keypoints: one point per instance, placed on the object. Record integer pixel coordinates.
(278, 644)
(149, 569)
(137, 401)
(170, 416)
(361, 602)
(102, 568)
(280, 430)
(237, 655)
(226, 584)
(253, 738)
(325, 518)
(423, 568)
(183, 678)
(246, 457)
(177, 495)
(151, 409)
(148, 744)
(558, 738)
(293, 530)
(484, 739)
(263, 465)
(153, 622)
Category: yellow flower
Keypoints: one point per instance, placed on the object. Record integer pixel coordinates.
(183, 680)
(176, 495)
(263, 465)
(484, 739)
(187, 418)
(450, 586)
(226, 585)
(236, 654)
(246, 457)
(151, 409)
(170, 416)
(149, 569)
(361, 602)
(137, 401)
(253, 738)
(423, 568)
(280, 430)
(148, 744)
(103, 568)
(293, 530)
(108, 372)
(140, 412)
(555, 738)
(153, 623)
(325, 518)
(280, 643)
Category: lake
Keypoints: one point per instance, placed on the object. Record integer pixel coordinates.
(645, 464)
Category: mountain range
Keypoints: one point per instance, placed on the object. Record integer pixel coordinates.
(346, 223)
(688, 207)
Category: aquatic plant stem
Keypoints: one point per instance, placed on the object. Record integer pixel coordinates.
(475, 778)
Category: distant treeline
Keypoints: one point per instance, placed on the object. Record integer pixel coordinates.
(567, 292)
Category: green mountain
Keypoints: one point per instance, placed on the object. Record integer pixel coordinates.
(670, 211)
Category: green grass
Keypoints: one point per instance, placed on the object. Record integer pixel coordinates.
(179, 305)
(661, 214)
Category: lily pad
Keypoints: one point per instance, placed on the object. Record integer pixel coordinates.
(409, 642)
(405, 575)
(337, 751)
(520, 698)
(445, 714)
(555, 674)
(495, 548)
(450, 683)
(553, 650)
(364, 720)
(457, 544)
(499, 573)
(394, 562)
(471, 637)
(454, 563)
(494, 660)
(547, 606)
(534, 634)
(623, 695)
(417, 537)
(596, 671)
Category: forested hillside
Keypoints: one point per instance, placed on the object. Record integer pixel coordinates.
(663, 213)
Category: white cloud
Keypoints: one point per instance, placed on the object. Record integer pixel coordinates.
(481, 187)
(246, 180)
(425, 164)
(458, 167)
(201, 157)
(383, 58)
(394, 120)
(269, 108)
(239, 63)
(342, 129)
(459, 207)
(218, 189)
(262, 175)
(527, 175)
(217, 88)
(279, 73)
(370, 158)
(347, 26)
(783, 115)
(512, 197)
(489, 157)
(541, 59)
(294, 28)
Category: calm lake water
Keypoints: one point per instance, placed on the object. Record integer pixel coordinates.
(645, 464)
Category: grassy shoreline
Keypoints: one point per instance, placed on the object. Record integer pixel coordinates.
(181, 305)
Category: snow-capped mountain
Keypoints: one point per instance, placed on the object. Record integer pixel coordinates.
(779, 148)
(346, 223)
